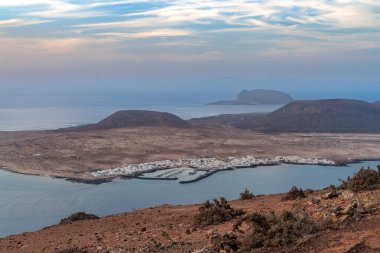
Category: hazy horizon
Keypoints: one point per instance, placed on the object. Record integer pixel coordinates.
(310, 49)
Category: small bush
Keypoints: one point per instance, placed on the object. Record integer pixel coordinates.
(363, 180)
(272, 230)
(295, 193)
(217, 212)
(77, 217)
(246, 194)
(72, 250)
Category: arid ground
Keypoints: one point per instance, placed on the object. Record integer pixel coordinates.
(73, 153)
(170, 228)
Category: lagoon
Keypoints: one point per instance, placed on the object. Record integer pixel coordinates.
(29, 203)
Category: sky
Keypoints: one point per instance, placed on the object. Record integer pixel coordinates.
(311, 49)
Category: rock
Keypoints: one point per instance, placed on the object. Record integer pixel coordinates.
(354, 208)
(347, 194)
(331, 195)
(222, 243)
(343, 218)
(371, 205)
(204, 250)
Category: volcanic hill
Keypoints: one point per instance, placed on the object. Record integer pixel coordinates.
(135, 118)
(333, 115)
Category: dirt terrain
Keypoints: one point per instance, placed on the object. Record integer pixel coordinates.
(322, 116)
(170, 228)
(72, 154)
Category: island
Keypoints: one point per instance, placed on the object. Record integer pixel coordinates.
(129, 143)
(258, 97)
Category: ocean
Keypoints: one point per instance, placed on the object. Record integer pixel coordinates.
(36, 112)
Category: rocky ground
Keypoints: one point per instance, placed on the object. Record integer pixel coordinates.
(349, 222)
(72, 154)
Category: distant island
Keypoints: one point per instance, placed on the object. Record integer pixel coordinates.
(258, 97)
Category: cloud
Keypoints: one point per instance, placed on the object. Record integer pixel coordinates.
(239, 27)
(333, 14)
(20, 22)
(147, 34)
(65, 9)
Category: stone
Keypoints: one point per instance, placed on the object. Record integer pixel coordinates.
(347, 194)
(331, 195)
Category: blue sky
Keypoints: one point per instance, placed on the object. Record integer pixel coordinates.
(327, 48)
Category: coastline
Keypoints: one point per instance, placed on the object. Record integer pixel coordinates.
(171, 227)
(209, 164)
(107, 178)
(75, 155)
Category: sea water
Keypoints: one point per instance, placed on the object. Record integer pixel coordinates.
(19, 113)
(28, 203)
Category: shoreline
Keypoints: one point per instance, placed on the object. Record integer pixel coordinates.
(176, 221)
(210, 171)
(210, 163)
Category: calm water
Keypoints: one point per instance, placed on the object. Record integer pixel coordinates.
(51, 112)
(28, 203)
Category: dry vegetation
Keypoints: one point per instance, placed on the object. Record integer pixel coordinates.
(78, 217)
(273, 230)
(246, 194)
(363, 180)
(295, 193)
(215, 212)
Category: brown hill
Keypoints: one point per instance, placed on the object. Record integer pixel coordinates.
(258, 96)
(334, 115)
(135, 118)
(377, 104)
(244, 120)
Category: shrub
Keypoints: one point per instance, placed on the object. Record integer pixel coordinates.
(272, 230)
(246, 194)
(77, 217)
(295, 193)
(217, 212)
(72, 250)
(363, 180)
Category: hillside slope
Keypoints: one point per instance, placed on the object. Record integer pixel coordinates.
(135, 118)
(334, 115)
(377, 104)
(169, 229)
